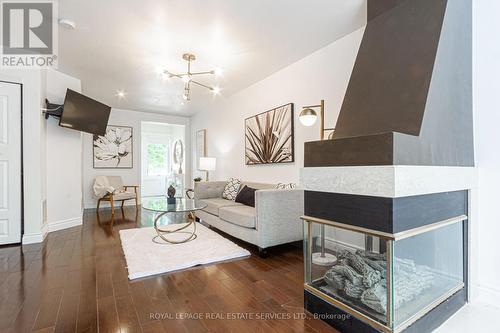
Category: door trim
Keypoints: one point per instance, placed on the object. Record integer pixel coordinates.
(22, 158)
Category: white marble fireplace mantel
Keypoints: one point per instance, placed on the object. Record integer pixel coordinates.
(391, 181)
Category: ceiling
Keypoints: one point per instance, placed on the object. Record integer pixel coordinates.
(121, 45)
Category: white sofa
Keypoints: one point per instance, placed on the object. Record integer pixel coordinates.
(274, 220)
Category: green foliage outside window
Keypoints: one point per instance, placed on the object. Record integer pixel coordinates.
(157, 159)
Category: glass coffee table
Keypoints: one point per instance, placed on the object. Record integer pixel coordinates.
(161, 206)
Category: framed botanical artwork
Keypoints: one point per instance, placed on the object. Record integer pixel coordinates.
(269, 136)
(201, 146)
(114, 149)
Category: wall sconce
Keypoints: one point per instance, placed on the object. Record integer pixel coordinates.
(308, 117)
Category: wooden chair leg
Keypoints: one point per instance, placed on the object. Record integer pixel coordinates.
(123, 212)
(136, 198)
(112, 206)
(97, 211)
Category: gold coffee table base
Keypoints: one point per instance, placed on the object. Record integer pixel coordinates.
(162, 233)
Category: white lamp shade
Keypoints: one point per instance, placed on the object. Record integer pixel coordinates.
(308, 117)
(207, 163)
(308, 120)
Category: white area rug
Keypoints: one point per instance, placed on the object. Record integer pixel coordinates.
(145, 258)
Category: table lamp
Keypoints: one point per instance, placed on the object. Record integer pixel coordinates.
(207, 164)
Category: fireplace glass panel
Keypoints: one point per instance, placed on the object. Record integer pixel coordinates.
(426, 267)
(386, 282)
(351, 271)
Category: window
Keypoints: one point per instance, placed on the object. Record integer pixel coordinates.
(158, 161)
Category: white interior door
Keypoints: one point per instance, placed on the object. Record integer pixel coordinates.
(10, 163)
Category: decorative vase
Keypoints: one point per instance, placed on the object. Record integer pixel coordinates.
(171, 194)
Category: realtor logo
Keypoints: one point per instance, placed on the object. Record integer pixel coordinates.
(29, 34)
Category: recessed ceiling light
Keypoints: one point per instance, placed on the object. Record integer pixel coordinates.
(120, 94)
(67, 23)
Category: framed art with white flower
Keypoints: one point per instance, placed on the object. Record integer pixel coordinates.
(114, 149)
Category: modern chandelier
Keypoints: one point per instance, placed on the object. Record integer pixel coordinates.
(187, 77)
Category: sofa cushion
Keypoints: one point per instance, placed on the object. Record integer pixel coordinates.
(124, 195)
(241, 215)
(214, 204)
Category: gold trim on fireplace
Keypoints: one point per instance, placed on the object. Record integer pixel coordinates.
(385, 235)
(390, 283)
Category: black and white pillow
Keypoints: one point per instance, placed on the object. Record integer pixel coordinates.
(282, 186)
(231, 189)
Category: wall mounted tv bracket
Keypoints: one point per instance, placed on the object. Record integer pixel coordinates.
(54, 110)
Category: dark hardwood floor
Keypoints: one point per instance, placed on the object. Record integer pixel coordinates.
(76, 281)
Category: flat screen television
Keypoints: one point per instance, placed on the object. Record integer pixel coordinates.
(84, 114)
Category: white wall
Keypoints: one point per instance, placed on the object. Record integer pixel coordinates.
(321, 75)
(130, 176)
(64, 160)
(487, 122)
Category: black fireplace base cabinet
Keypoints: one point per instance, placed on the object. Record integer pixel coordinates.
(344, 322)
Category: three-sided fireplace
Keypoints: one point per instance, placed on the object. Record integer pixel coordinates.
(400, 262)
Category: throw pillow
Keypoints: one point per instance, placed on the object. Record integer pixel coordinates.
(282, 186)
(246, 196)
(231, 189)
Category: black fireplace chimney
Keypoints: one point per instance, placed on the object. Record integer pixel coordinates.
(409, 98)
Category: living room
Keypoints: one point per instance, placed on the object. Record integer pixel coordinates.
(278, 166)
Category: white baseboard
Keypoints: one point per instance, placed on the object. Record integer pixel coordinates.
(50, 227)
(35, 237)
(334, 244)
(64, 224)
(488, 294)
